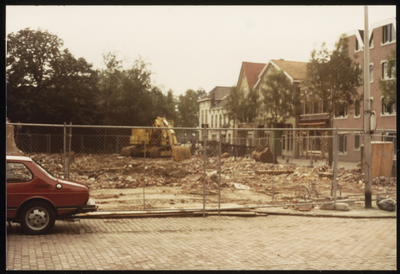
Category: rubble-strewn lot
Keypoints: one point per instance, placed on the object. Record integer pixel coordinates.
(116, 182)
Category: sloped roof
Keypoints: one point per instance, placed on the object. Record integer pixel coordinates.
(218, 92)
(221, 103)
(296, 70)
(252, 70)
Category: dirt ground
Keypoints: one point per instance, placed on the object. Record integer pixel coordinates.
(116, 182)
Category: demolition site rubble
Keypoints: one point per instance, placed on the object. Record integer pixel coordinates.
(249, 179)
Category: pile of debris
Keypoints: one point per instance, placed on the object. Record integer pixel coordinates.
(281, 180)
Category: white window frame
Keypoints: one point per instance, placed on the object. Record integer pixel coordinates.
(359, 109)
(384, 107)
(345, 116)
(384, 71)
(359, 142)
(393, 35)
(371, 72)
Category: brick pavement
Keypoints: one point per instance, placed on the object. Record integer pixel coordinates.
(260, 243)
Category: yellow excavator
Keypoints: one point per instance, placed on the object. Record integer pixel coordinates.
(156, 142)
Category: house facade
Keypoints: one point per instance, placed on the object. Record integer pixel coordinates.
(295, 72)
(313, 116)
(248, 77)
(382, 40)
(213, 115)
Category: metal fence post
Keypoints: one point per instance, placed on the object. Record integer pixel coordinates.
(219, 176)
(69, 148)
(312, 151)
(205, 133)
(144, 171)
(65, 147)
(335, 163)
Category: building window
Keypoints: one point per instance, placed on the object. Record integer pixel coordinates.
(388, 109)
(357, 109)
(283, 142)
(341, 112)
(371, 73)
(388, 34)
(385, 73)
(212, 120)
(356, 142)
(384, 70)
(342, 143)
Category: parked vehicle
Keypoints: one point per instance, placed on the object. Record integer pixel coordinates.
(35, 198)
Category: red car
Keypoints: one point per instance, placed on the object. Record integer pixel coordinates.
(35, 198)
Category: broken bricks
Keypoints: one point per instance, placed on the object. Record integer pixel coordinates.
(276, 180)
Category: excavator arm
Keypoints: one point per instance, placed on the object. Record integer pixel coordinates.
(178, 152)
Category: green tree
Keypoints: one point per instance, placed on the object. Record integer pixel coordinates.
(45, 84)
(242, 108)
(163, 105)
(28, 70)
(109, 85)
(388, 86)
(234, 105)
(73, 91)
(189, 108)
(278, 99)
(171, 107)
(333, 78)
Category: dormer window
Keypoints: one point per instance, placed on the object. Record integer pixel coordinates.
(388, 34)
(357, 45)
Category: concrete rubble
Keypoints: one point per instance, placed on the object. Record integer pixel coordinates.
(239, 174)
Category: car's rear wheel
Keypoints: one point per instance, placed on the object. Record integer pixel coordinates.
(37, 218)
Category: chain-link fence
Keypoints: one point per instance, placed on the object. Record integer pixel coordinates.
(137, 168)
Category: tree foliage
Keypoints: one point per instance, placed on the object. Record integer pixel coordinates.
(242, 108)
(189, 108)
(127, 96)
(333, 77)
(46, 84)
(278, 97)
(388, 86)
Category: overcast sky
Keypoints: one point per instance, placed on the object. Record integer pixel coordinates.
(192, 47)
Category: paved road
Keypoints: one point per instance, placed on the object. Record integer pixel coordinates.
(196, 243)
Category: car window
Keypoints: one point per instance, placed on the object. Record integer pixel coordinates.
(18, 172)
(44, 170)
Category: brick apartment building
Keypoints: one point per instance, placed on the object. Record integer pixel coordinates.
(382, 40)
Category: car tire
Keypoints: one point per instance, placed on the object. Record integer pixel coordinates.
(37, 218)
